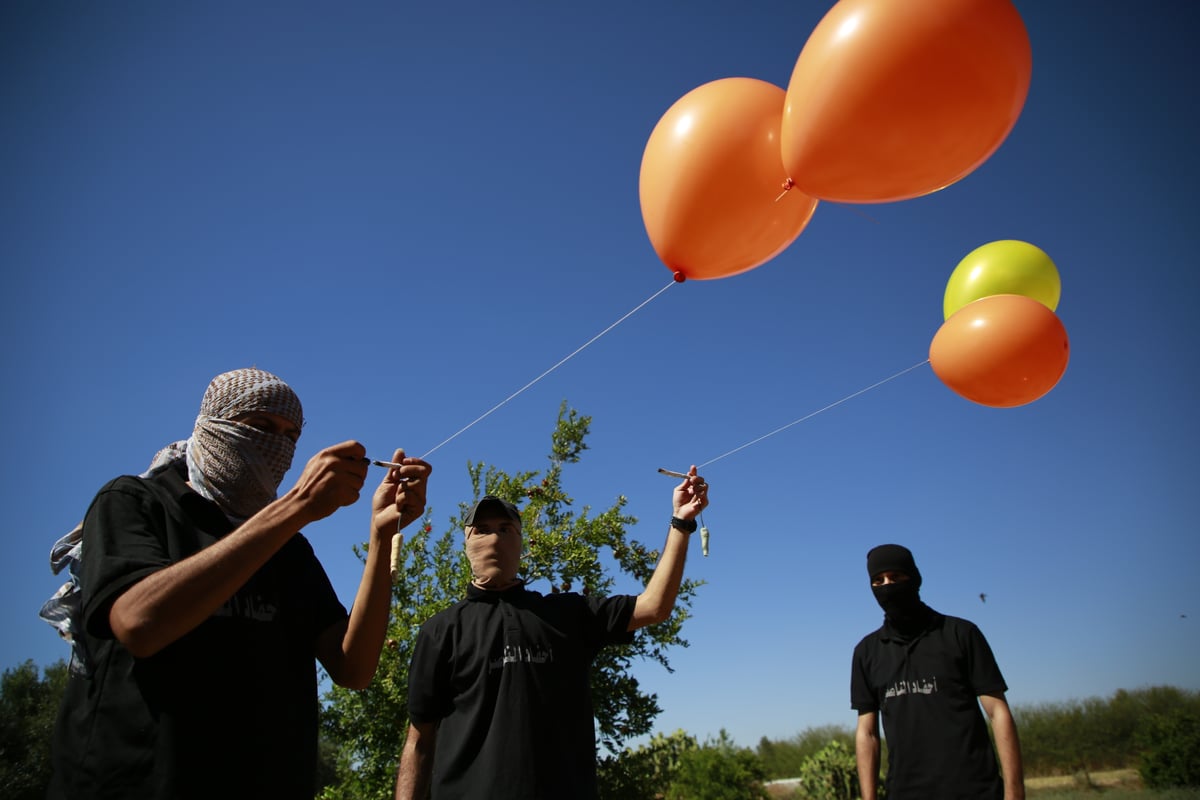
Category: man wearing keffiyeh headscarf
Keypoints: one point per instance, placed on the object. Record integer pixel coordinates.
(202, 609)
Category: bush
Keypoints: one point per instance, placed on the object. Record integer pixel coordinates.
(831, 774)
(1170, 749)
(783, 759)
(1094, 734)
(646, 772)
(718, 771)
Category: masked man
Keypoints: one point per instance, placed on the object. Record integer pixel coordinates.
(926, 674)
(499, 692)
(202, 608)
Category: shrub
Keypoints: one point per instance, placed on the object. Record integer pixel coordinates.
(1170, 749)
(718, 771)
(783, 759)
(646, 772)
(831, 774)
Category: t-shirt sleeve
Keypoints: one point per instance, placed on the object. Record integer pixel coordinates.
(982, 669)
(316, 592)
(862, 697)
(121, 545)
(429, 698)
(610, 619)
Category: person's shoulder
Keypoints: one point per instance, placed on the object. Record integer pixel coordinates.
(447, 616)
(124, 483)
(594, 600)
(869, 640)
(131, 486)
(579, 604)
(535, 595)
(959, 626)
(553, 602)
(951, 621)
(565, 597)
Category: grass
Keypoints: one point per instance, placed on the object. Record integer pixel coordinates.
(1121, 784)
(1117, 793)
(1111, 785)
(1118, 784)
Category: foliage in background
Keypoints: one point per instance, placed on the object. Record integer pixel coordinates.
(784, 758)
(718, 770)
(676, 767)
(1170, 749)
(830, 774)
(366, 728)
(1134, 793)
(1095, 734)
(645, 772)
(568, 550)
(28, 707)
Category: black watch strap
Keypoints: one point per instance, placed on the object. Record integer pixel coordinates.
(685, 525)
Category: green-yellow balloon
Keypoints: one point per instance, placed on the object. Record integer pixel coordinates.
(1007, 266)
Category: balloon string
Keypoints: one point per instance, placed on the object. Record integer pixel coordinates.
(576, 352)
(813, 414)
(861, 213)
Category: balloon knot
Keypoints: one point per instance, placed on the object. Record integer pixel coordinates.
(787, 184)
(679, 276)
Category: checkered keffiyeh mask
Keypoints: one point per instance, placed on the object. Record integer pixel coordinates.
(236, 466)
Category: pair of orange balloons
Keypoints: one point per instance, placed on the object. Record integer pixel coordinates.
(888, 100)
(1002, 345)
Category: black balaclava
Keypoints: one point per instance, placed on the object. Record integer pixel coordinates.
(901, 602)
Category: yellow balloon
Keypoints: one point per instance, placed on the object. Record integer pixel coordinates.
(1008, 266)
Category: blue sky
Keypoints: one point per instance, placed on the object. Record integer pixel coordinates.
(411, 211)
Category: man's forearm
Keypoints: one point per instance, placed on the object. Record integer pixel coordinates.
(416, 764)
(1008, 748)
(868, 770)
(354, 658)
(657, 600)
(164, 606)
(1008, 744)
(866, 754)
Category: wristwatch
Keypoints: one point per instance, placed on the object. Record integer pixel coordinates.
(685, 525)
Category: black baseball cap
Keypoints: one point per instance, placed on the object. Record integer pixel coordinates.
(490, 506)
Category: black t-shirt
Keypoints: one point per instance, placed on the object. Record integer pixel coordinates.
(507, 677)
(227, 711)
(927, 692)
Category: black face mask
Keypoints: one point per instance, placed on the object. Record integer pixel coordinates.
(901, 601)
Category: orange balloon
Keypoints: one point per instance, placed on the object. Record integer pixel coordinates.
(892, 99)
(1004, 350)
(711, 181)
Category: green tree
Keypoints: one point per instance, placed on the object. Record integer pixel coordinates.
(28, 707)
(567, 549)
(718, 771)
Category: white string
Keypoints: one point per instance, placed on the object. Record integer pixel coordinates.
(577, 350)
(813, 414)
